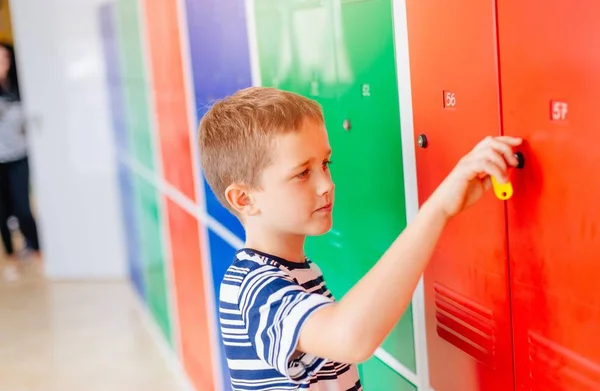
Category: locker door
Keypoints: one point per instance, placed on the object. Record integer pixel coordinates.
(367, 164)
(551, 92)
(455, 92)
(341, 54)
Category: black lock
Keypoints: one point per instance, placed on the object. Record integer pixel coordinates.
(422, 141)
(520, 159)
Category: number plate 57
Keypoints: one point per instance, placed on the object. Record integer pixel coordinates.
(558, 110)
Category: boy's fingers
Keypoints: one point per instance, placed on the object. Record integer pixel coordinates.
(508, 140)
(488, 167)
(506, 151)
(493, 170)
(513, 141)
(487, 183)
(502, 144)
(496, 158)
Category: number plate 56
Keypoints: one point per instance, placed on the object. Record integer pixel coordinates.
(449, 99)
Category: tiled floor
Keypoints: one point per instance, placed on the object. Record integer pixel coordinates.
(79, 336)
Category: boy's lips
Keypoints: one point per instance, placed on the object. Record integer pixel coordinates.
(326, 208)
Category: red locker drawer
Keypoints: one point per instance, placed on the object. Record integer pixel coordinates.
(453, 62)
(550, 63)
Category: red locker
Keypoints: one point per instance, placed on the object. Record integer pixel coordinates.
(550, 68)
(453, 62)
(189, 284)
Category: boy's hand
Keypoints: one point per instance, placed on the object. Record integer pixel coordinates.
(471, 177)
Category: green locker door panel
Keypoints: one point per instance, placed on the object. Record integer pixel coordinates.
(152, 251)
(370, 188)
(369, 178)
(376, 376)
(135, 84)
(274, 45)
(296, 49)
(343, 57)
(367, 170)
(142, 151)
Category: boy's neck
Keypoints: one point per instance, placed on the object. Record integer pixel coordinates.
(286, 246)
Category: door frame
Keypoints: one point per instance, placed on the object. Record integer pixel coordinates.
(410, 180)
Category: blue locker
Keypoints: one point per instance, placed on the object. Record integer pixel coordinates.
(113, 73)
(220, 63)
(220, 66)
(117, 108)
(136, 272)
(221, 254)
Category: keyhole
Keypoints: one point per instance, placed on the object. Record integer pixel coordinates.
(520, 160)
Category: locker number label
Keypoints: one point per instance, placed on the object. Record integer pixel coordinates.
(449, 99)
(558, 110)
(366, 90)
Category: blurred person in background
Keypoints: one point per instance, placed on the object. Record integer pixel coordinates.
(14, 167)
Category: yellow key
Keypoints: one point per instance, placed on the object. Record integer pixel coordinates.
(502, 191)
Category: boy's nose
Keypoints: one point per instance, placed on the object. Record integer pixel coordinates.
(326, 185)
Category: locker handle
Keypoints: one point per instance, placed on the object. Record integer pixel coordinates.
(505, 190)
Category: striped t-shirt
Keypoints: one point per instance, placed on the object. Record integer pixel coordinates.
(264, 301)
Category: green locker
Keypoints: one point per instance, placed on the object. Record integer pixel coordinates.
(377, 376)
(341, 53)
(142, 151)
(135, 83)
(152, 250)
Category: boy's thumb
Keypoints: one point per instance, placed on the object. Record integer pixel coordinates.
(487, 183)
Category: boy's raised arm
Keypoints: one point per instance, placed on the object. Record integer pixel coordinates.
(350, 330)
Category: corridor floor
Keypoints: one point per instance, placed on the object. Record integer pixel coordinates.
(73, 336)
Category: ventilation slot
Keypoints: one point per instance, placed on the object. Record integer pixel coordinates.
(555, 368)
(466, 325)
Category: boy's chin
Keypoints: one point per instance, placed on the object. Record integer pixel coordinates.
(320, 229)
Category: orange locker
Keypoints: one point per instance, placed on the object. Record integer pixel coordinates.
(550, 73)
(453, 62)
(512, 297)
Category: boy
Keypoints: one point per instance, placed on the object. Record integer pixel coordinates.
(266, 155)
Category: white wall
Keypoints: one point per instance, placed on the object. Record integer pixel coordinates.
(62, 77)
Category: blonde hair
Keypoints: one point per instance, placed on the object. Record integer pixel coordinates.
(236, 134)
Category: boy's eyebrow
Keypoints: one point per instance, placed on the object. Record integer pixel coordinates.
(300, 165)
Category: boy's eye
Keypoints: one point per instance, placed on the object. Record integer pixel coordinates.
(302, 174)
(305, 173)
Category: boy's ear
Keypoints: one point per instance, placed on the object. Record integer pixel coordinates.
(240, 199)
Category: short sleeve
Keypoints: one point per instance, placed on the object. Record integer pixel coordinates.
(274, 308)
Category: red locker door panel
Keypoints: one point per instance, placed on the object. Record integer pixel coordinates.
(453, 63)
(163, 35)
(550, 64)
